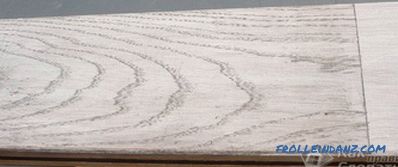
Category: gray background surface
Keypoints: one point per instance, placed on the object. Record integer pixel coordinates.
(42, 8)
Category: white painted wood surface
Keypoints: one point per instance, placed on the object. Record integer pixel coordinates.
(209, 81)
(378, 29)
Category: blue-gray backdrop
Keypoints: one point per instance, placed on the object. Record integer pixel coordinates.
(40, 8)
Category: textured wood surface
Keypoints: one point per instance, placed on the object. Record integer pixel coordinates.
(378, 29)
(234, 81)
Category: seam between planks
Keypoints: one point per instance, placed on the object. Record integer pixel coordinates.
(362, 76)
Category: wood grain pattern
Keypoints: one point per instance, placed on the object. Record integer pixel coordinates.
(230, 81)
(378, 29)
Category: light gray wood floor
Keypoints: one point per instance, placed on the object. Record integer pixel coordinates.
(205, 81)
(378, 30)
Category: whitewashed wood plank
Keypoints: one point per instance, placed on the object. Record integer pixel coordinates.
(378, 29)
(208, 81)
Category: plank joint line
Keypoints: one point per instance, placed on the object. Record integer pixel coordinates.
(362, 77)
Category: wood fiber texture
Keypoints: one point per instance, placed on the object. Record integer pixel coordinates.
(378, 29)
(229, 81)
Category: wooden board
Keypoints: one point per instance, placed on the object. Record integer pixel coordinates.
(378, 29)
(100, 159)
(228, 81)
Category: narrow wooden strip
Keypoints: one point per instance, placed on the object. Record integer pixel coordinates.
(378, 36)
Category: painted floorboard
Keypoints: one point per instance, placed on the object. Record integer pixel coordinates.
(206, 81)
(378, 29)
